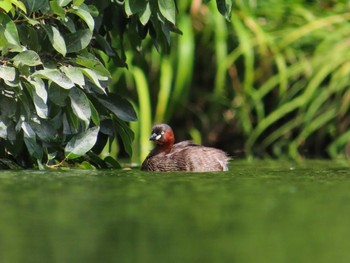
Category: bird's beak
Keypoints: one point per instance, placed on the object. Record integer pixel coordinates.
(153, 137)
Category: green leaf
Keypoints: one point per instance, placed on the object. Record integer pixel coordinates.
(119, 106)
(63, 2)
(36, 5)
(33, 147)
(167, 9)
(58, 95)
(56, 76)
(112, 162)
(94, 77)
(57, 8)
(225, 8)
(78, 2)
(81, 143)
(45, 131)
(7, 73)
(80, 105)
(68, 23)
(90, 61)
(6, 5)
(126, 134)
(145, 15)
(56, 39)
(20, 5)
(83, 12)
(74, 74)
(28, 57)
(134, 6)
(78, 40)
(40, 97)
(95, 117)
(8, 32)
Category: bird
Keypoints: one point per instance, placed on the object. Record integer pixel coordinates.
(167, 156)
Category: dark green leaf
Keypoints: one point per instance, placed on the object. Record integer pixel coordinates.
(58, 95)
(90, 61)
(80, 105)
(119, 106)
(94, 114)
(81, 143)
(106, 47)
(112, 162)
(225, 8)
(126, 134)
(56, 39)
(36, 5)
(33, 147)
(28, 57)
(78, 40)
(45, 131)
(134, 6)
(68, 23)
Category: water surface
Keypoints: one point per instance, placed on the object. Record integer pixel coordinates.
(263, 211)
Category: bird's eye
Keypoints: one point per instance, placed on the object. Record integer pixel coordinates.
(163, 132)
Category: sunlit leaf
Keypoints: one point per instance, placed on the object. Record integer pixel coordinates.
(74, 74)
(57, 8)
(6, 5)
(28, 57)
(94, 77)
(7, 73)
(40, 97)
(8, 31)
(167, 9)
(81, 143)
(83, 12)
(20, 5)
(80, 105)
(63, 2)
(56, 76)
(145, 15)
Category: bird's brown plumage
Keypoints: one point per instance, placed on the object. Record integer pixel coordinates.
(183, 156)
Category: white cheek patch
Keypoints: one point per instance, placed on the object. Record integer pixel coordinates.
(158, 137)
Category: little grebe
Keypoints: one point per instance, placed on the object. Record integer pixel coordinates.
(183, 156)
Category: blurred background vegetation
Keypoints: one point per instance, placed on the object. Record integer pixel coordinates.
(273, 81)
(269, 79)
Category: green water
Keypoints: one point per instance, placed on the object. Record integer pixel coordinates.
(257, 212)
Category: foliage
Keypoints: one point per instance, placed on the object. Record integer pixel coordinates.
(56, 105)
(271, 82)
